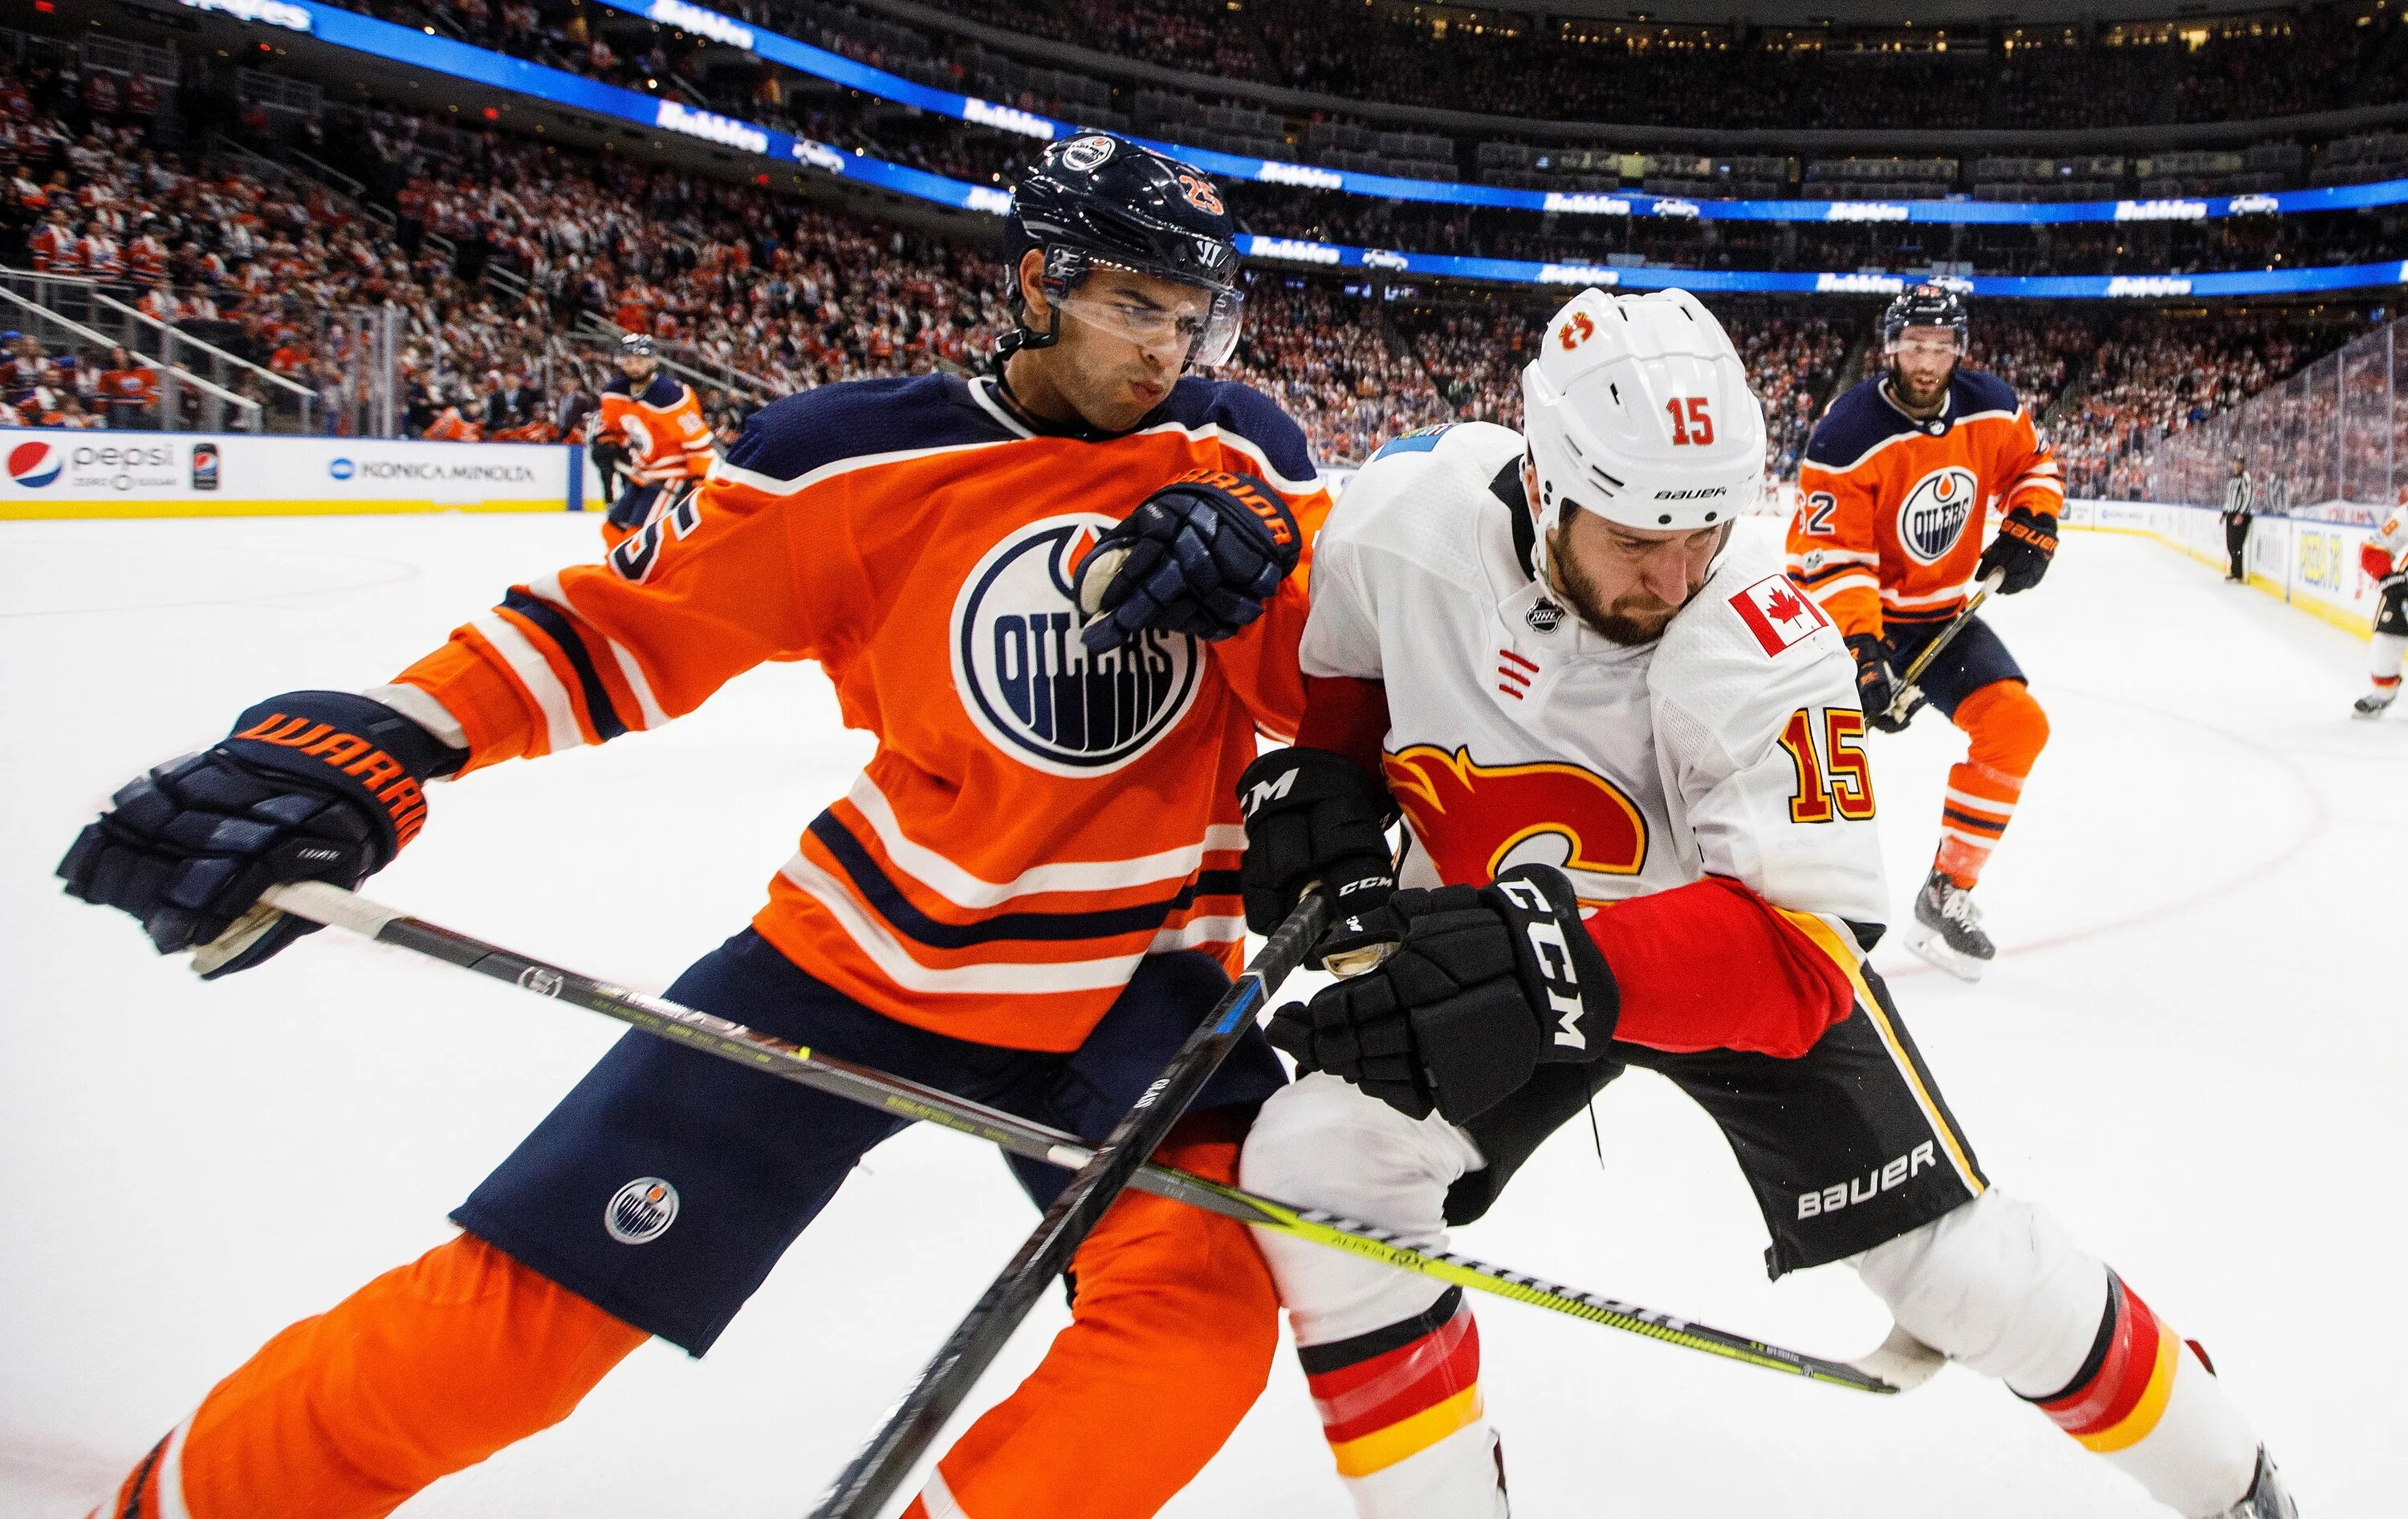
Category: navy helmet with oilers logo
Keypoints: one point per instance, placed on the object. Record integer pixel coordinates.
(1926, 306)
(1637, 408)
(1099, 199)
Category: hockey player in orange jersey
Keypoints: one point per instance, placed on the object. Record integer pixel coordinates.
(1028, 897)
(656, 421)
(1895, 500)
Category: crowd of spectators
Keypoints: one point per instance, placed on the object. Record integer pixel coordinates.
(2036, 353)
(1474, 353)
(2304, 59)
(662, 60)
(511, 265)
(262, 267)
(2151, 376)
(2272, 64)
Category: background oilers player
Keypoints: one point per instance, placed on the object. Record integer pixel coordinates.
(653, 422)
(1582, 694)
(2380, 557)
(1894, 495)
(1028, 897)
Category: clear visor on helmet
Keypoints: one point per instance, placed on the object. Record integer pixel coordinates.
(1938, 342)
(1195, 323)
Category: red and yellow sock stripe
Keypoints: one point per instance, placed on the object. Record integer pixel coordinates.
(1398, 1391)
(2122, 1390)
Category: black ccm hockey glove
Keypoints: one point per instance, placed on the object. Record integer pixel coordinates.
(2025, 543)
(1877, 684)
(311, 785)
(1483, 986)
(1313, 816)
(1201, 555)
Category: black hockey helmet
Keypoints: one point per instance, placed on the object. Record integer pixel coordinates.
(1096, 198)
(1926, 306)
(635, 344)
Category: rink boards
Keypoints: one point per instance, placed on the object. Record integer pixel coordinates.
(2308, 561)
(52, 473)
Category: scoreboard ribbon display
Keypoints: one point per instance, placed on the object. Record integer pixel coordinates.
(838, 69)
(440, 54)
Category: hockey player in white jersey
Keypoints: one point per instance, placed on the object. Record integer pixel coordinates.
(2380, 556)
(1589, 701)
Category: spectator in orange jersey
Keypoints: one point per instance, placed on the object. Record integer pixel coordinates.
(129, 391)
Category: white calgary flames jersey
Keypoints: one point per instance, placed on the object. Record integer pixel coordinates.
(1731, 746)
(2392, 536)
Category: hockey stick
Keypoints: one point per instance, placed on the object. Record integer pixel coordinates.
(1898, 1365)
(1908, 694)
(864, 1485)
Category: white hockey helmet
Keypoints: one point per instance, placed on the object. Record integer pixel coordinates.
(1637, 408)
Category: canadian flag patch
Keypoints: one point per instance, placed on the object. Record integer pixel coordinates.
(1778, 613)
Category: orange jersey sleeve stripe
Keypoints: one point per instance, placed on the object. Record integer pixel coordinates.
(471, 682)
(627, 693)
(552, 644)
(839, 840)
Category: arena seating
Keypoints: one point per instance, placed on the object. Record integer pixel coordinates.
(509, 256)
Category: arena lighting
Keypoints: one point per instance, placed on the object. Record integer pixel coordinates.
(459, 60)
(838, 69)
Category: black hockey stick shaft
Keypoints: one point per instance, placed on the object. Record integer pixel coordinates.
(1907, 691)
(887, 1459)
(1024, 1136)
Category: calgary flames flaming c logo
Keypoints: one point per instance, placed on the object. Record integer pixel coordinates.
(1477, 820)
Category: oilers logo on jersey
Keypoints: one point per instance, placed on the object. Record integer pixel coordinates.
(1933, 515)
(1033, 689)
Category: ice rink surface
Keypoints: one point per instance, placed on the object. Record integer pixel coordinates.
(2194, 1050)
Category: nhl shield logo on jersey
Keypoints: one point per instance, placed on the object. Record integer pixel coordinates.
(641, 1211)
(1933, 515)
(1033, 688)
(1480, 820)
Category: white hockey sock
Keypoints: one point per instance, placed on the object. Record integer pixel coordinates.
(1999, 1285)
(2388, 650)
(1393, 1359)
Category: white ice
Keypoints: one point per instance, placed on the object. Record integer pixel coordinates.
(2192, 1050)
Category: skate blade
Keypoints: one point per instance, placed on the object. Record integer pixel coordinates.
(1930, 946)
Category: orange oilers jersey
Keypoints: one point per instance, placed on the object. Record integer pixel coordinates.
(1893, 512)
(1037, 818)
(665, 433)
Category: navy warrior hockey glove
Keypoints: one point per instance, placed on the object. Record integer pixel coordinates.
(1313, 816)
(1201, 555)
(312, 786)
(2025, 543)
(1877, 684)
(1483, 986)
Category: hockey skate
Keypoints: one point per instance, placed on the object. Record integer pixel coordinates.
(1948, 929)
(2266, 1499)
(2373, 702)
